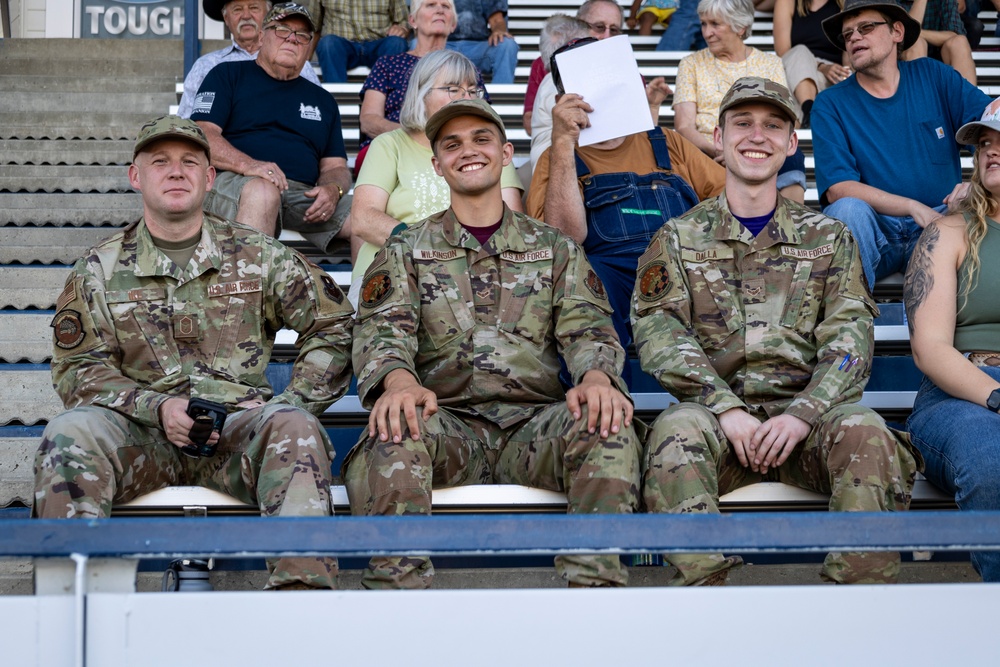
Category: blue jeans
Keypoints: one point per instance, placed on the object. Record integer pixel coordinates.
(960, 442)
(337, 55)
(885, 241)
(684, 30)
(500, 60)
(793, 171)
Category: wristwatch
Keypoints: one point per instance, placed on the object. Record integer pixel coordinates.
(993, 402)
(340, 192)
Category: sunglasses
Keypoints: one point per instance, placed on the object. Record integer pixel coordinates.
(862, 29)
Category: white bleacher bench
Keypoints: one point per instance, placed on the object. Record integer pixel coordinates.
(506, 498)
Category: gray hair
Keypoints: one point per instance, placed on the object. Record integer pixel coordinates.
(585, 9)
(737, 14)
(451, 65)
(415, 5)
(558, 31)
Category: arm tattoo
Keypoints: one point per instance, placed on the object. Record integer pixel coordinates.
(919, 274)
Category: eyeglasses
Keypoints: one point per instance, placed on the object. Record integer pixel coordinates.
(455, 92)
(601, 28)
(284, 32)
(863, 29)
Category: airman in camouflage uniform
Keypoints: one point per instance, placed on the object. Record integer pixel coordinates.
(767, 342)
(463, 338)
(136, 334)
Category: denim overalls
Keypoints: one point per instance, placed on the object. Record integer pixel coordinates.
(624, 211)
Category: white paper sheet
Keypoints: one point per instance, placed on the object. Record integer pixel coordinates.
(606, 74)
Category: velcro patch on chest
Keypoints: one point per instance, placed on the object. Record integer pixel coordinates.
(654, 281)
(235, 287)
(67, 329)
(807, 253)
(707, 255)
(435, 255)
(524, 257)
(185, 326)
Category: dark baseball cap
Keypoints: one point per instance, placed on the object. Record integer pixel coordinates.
(171, 127)
(283, 10)
(474, 107)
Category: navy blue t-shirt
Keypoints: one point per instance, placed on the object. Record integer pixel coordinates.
(291, 123)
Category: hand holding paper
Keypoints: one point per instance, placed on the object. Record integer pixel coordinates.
(606, 75)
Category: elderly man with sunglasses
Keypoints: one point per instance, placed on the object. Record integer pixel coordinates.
(276, 138)
(886, 164)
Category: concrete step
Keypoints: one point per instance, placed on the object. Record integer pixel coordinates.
(87, 65)
(108, 49)
(67, 151)
(39, 103)
(69, 209)
(28, 287)
(49, 245)
(28, 398)
(15, 83)
(47, 178)
(16, 576)
(25, 337)
(74, 125)
(16, 474)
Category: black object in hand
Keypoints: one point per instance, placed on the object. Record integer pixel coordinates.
(208, 416)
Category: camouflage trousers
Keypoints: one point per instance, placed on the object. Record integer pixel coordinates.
(276, 456)
(850, 454)
(549, 451)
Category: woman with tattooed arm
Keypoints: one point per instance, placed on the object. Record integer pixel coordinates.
(954, 319)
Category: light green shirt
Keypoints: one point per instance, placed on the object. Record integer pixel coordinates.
(402, 167)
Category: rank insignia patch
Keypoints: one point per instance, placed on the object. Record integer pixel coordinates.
(68, 330)
(594, 284)
(655, 281)
(377, 289)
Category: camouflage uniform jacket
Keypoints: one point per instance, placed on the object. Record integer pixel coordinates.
(133, 329)
(732, 321)
(483, 327)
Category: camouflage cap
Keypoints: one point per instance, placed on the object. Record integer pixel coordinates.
(474, 107)
(173, 127)
(758, 89)
(969, 133)
(283, 10)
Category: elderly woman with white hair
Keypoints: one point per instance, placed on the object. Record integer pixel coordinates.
(704, 77)
(397, 183)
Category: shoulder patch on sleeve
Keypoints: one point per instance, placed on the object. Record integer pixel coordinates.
(67, 296)
(67, 329)
(594, 284)
(376, 289)
(654, 280)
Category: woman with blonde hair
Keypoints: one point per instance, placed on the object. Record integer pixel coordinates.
(954, 317)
